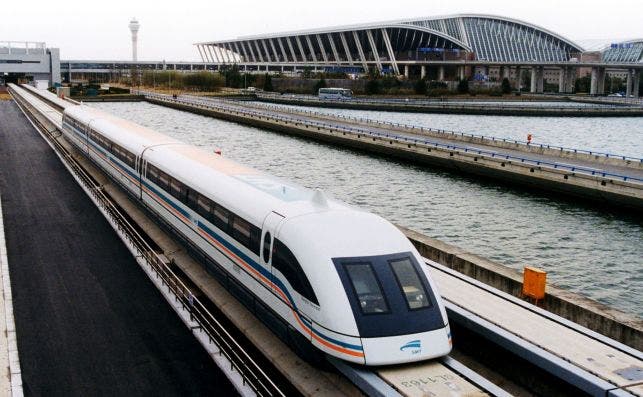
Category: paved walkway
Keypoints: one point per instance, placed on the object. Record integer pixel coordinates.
(88, 320)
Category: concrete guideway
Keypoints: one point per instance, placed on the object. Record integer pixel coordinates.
(449, 376)
(489, 143)
(431, 106)
(87, 319)
(595, 364)
(538, 172)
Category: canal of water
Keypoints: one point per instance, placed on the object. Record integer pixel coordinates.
(583, 249)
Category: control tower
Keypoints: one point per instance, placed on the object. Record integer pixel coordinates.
(133, 27)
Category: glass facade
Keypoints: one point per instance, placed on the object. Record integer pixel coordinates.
(624, 52)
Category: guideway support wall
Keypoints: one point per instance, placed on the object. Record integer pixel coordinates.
(612, 323)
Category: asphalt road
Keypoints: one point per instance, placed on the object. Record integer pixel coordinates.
(88, 320)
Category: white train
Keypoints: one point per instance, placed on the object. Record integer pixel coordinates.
(314, 269)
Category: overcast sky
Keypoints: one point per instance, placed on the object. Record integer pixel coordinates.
(98, 30)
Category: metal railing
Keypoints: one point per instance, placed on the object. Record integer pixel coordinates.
(400, 138)
(249, 370)
(446, 104)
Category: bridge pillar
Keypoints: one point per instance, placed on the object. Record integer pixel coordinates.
(593, 85)
(440, 73)
(601, 81)
(628, 83)
(422, 72)
(406, 71)
(505, 72)
(597, 84)
(562, 80)
(461, 72)
(635, 83)
(571, 79)
(518, 78)
(537, 79)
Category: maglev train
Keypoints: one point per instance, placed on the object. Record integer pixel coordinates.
(341, 279)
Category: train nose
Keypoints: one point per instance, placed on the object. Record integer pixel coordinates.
(407, 348)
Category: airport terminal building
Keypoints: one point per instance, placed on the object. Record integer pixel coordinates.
(444, 47)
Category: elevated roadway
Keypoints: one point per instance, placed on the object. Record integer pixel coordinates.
(597, 177)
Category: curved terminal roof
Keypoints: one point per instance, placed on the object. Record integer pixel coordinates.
(502, 39)
(623, 52)
(463, 36)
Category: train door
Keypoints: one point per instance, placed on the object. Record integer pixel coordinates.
(141, 168)
(269, 229)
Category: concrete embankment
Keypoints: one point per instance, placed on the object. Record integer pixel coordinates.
(450, 108)
(615, 324)
(595, 188)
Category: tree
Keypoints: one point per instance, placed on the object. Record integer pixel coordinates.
(307, 73)
(506, 86)
(320, 84)
(420, 87)
(463, 86)
(267, 83)
(372, 87)
(582, 84)
(233, 78)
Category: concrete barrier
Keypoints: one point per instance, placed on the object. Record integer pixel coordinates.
(600, 318)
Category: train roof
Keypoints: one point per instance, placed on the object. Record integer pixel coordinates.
(249, 192)
(245, 190)
(130, 135)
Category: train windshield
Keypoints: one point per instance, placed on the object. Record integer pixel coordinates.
(366, 287)
(410, 284)
(389, 295)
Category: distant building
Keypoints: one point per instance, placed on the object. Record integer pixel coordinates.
(29, 61)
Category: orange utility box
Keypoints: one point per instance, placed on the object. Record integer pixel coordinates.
(534, 282)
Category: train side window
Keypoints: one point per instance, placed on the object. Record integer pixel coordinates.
(220, 217)
(164, 180)
(255, 238)
(284, 260)
(192, 198)
(177, 189)
(241, 231)
(203, 206)
(152, 173)
(367, 288)
(131, 160)
(410, 283)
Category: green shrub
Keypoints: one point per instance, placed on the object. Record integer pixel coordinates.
(506, 86)
(463, 86)
(420, 87)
